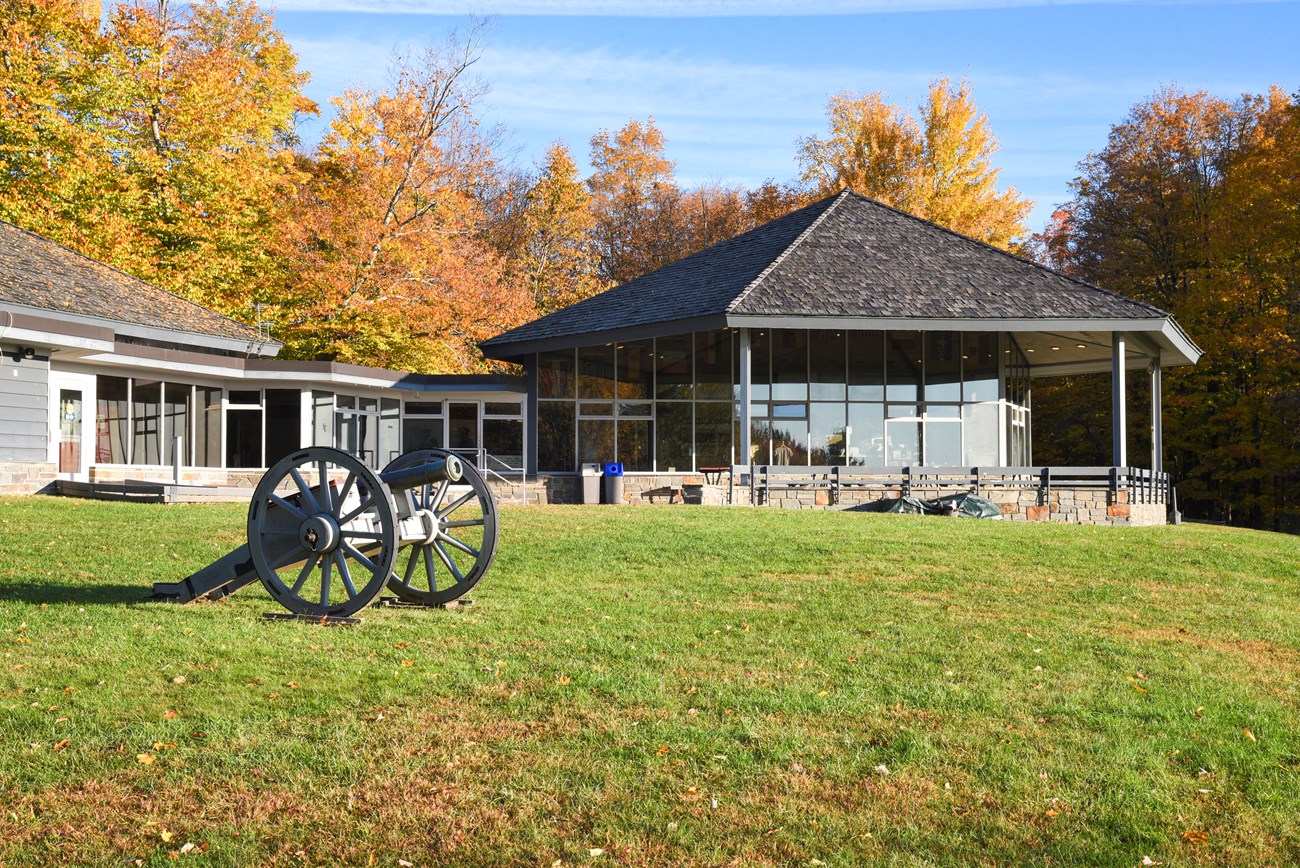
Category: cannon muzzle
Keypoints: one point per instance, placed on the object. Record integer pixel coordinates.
(449, 468)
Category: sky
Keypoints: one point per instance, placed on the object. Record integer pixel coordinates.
(733, 84)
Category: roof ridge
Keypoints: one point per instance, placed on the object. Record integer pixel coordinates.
(1010, 255)
(96, 262)
(790, 248)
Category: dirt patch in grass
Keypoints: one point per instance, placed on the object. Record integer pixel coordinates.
(1265, 657)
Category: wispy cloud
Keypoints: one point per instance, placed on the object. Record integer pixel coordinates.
(672, 8)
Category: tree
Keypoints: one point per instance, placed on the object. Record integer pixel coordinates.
(161, 145)
(387, 263)
(1191, 206)
(558, 264)
(635, 201)
(935, 165)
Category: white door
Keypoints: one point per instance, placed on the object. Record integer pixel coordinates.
(72, 424)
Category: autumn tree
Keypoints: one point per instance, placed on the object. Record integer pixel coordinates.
(161, 145)
(558, 261)
(1191, 207)
(935, 164)
(387, 263)
(634, 199)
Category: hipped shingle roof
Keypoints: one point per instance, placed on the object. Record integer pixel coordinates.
(843, 256)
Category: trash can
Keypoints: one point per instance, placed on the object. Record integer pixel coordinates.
(590, 484)
(611, 488)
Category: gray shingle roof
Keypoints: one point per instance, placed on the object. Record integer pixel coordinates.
(844, 256)
(41, 273)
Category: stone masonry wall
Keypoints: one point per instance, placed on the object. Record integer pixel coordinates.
(1074, 505)
(16, 478)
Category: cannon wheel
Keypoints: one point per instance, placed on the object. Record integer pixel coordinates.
(325, 552)
(461, 551)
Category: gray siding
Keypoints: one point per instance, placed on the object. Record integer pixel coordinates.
(24, 406)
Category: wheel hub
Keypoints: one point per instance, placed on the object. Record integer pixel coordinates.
(430, 525)
(319, 534)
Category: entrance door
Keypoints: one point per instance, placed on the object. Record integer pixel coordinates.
(70, 447)
(462, 428)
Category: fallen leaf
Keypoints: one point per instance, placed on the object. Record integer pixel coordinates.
(165, 835)
(61, 745)
(179, 679)
(663, 750)
(882, 770)
(1250, 735)
(402, 645)
(823, 692)
(169, 714)
(404, 863)
(293, 684)
(408, 662)
(596, 851)
(1195, 836)
(144, 758)
(187, 847)
(1139, 688)
(563, 679)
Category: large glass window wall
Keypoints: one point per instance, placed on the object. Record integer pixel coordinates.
(817, 397)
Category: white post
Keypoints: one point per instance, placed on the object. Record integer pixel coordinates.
(178, 458)
(1157, 424)
(1119, 416)
(746, 376)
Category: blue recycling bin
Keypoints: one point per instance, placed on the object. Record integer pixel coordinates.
(611, 483)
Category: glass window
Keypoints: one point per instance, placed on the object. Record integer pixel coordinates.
(501, 408)
(462, 425)
(423, 408)
(942, 443)
(903, 368)
(146, 403)
(673, 437)
(789, 411)
(904, 442)
(246, 396)
(789, 365)
(369, 405)
(760, 365)
(555, 437)
(980, 422)
(635, 445)
(596, 441)
(207, 426)
(504, 440)
(943, 366)
(713, 364)
(111, 420)
(674, 377)
(418, 433)
(343, 402)
(789, 441)
(243, 438)
(827, 441)
(555, 375)
(866, 366)
(596, 408)
(713, 427)
(635, 410)
(760, 442)
(980, 366)
(176, 421)
(866, 435)
(826, 365)
(596, 372)
(636, 369)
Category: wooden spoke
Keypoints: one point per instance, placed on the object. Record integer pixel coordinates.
(308, 497)
(455, 543)
(344, 573)
(365, 504)
(306, 571)
(288, 507)
(448, 562)
(323, 476)
(343, 493)
(457, 503)
(429, 569)
(469, 522)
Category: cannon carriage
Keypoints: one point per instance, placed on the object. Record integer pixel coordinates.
(327, 534)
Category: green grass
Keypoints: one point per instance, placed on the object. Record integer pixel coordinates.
(671, 685)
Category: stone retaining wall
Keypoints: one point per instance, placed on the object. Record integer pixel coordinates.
(1078, 505)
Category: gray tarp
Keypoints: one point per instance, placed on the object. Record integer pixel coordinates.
(968, 505)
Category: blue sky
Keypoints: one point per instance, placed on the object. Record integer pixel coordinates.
(733, 83)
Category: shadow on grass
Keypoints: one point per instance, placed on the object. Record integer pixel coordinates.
(53, 593)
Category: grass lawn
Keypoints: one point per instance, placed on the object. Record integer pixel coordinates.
(668, 685)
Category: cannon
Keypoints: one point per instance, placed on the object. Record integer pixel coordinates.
(327, 534)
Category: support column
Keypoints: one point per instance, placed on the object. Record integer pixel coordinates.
(1119, 414)
(1157, 423)
(744, 379)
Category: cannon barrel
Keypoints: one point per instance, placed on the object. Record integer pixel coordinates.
(449, 468)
